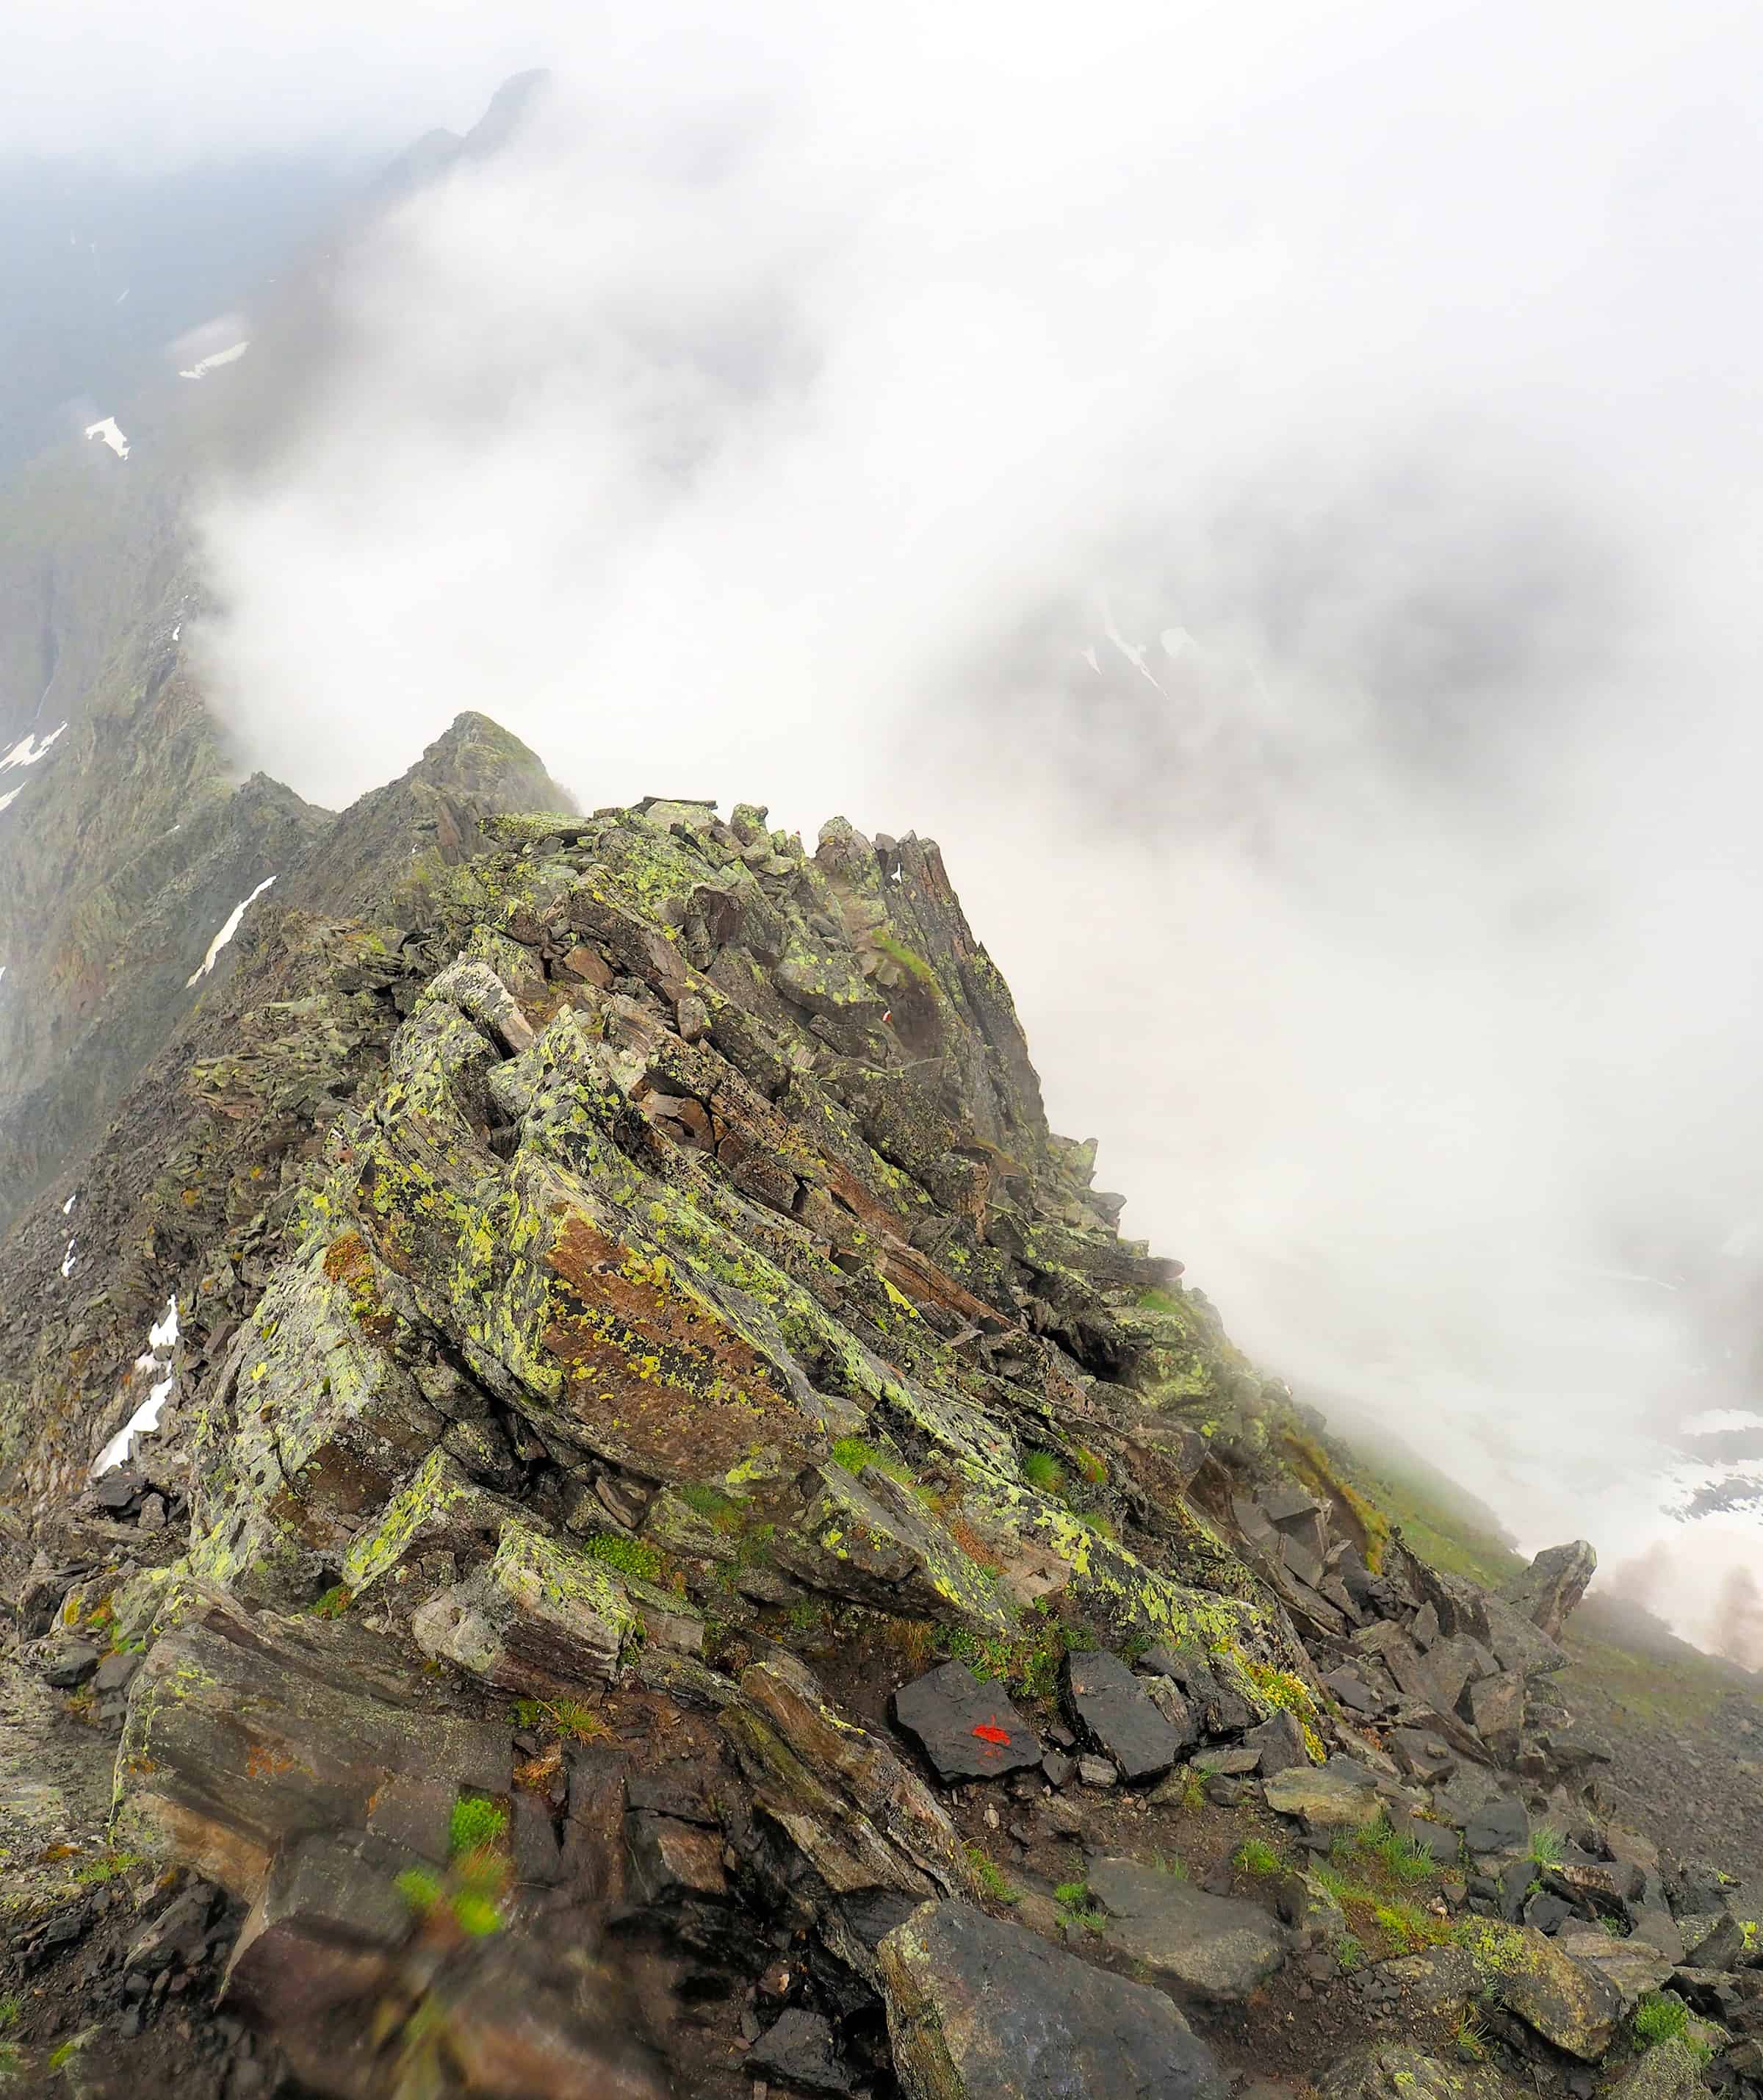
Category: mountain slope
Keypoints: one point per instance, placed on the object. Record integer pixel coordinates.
(129, 831)
(672, 1541)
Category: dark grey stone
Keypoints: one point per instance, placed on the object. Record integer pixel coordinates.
(68, 1664)
(114, 1672)
(968, 1730)
(798, 2048)
(1353, 1691)
(1011, 2018)
(1113, 1709)
(1500, 1825)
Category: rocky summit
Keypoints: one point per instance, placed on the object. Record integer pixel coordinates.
(603, 1509)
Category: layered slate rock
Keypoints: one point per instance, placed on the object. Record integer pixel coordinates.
(1574, 2006)
(981, 2010)
(1393, 2071)
(540, 1617)
(968, 1730)
(1553, 1585)
(1216, 1947)
(246, 1732)
(1113, 1709)
(1633, 1965)
(1338, 1796)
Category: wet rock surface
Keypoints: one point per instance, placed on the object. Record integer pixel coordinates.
(1215, 1947)
(949, 1971)
(689, 1553)
(966, 1729)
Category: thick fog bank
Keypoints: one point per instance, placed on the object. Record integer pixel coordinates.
(1276, 495)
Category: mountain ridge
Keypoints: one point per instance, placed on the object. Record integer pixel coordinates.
(647, 1389)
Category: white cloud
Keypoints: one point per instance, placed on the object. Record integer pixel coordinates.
(843, 413)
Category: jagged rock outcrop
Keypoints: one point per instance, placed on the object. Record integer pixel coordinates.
(668, 1490)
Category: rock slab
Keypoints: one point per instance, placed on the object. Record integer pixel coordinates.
(1109, 1703)
(966, 1729)
(978, 2010)
(1217, 1947)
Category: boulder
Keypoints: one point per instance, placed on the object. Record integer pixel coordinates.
(1712, 1941)
(1494, 1707)
(966, 1729)
(1219, 1711)
(1447, 1669)
(248, 1732)
(978, 2010)
(1567, 2002)
(1463, 1607)
(1668, 2070)
(1499, 1825)
(1217, 1946)
(328, 1915)
(539, 1618)
(66, 1663)
(1394, 2071)
(1113, 1708)
(1632, 1966)
(1338, 1796)
(1278, 1742)
(798, 2051)
(1552, 1586)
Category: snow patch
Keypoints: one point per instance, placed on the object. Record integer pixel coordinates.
(28, 751)
(226, 933)
(67, 1260)
(162, 1338)
(107, 433)
(8, 799)
(208, 364)
(67, 1208)
(1716, 1419)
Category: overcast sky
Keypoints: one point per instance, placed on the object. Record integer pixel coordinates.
(1274, 487)
(185, 78)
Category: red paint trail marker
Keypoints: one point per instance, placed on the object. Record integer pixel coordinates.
(988, 1731)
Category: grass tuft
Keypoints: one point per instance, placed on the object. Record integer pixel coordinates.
(475, 1826)
(626, 1556)
(1255, 1855)
(420, 1889)
(1043, 1473)
(476, 1914)
(988, 1877)
(1661, 2016)
(1077, 1907)
(570, 1718)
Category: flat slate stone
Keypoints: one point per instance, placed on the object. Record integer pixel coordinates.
(966, 1729)
(1337, 1796)
(1219, 1947)
(1501, 1825)
(1112, 1707)
(1279, 1740)
(1634, 1967)
(1565, 2001)
(1352, 1690)
(798, 2050)
(979, 2009)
